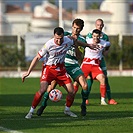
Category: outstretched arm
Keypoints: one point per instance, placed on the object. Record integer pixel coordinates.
(83, 44)
(91, 46)
(32, 65)
(106, 51)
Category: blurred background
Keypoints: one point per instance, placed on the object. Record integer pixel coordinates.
(26, 25)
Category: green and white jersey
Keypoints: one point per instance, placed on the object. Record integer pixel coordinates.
(70, 58)
(103, 36)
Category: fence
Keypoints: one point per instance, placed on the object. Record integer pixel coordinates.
(12, 53)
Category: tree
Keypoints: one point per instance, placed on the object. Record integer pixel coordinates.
(93, 5)
(52, 2)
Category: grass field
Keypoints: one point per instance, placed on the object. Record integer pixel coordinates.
(16, 98)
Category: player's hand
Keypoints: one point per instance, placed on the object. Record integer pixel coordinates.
(24, 76)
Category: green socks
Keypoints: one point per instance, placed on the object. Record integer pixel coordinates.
(45, 98)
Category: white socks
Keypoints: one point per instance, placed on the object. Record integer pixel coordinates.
(102, 99)
(31, 110)
(67, 108)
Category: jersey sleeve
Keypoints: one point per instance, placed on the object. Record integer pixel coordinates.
(105, 37)
(43, 51)
(67, 33)
(89, 35)
(107, 44)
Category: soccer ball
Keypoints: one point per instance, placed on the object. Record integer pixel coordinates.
(55, 95)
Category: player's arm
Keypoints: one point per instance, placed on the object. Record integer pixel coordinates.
(106, 49)
(83, 44)
(40, 54)
(32, 65)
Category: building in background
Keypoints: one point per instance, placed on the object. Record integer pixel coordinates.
(15, 20)
(117, 15)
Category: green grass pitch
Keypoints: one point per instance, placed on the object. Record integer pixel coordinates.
(16, 98)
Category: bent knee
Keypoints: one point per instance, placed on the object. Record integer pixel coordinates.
(85, 86)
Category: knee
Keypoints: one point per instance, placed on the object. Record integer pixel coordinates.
(41, 91)
(85, 86)
(102, 80)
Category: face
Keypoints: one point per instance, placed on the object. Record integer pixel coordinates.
(76, 29)
(99, 25)
(96, 38)
(58, 39)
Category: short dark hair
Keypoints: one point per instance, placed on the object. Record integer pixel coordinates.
(96, 31)
(58, 31)
(78, 22)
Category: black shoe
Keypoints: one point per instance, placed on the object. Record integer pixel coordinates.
(40, 110)
(83, 110)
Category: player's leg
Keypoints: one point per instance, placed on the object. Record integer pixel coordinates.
(85, 92)
(75, 86)
(101, 79)
(69, 99)
(46, 97)
(82, 81)
(74, 71)
(37, 98)
(89, 81)
(108, 92)
(43, 88)
(77, 75)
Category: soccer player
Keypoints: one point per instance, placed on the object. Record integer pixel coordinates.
(72, 67)
(91, 63)
(56, 49)
(99, 24)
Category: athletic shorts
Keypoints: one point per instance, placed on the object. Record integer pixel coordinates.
(74, 71)
(55, 72)
(94, 70)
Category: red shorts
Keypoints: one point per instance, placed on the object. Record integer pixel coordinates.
(94, 70)
(55, 72)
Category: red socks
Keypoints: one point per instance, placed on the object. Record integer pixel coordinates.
(36, 100)
(103, 90)
(69, 100)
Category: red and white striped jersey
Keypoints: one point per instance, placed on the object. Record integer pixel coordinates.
(56, 53)
(96, 53)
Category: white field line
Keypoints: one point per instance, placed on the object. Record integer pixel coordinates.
(9, 130)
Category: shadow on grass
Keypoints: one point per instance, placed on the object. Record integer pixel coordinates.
(53, 116)
(26, 99)
(58, 119)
